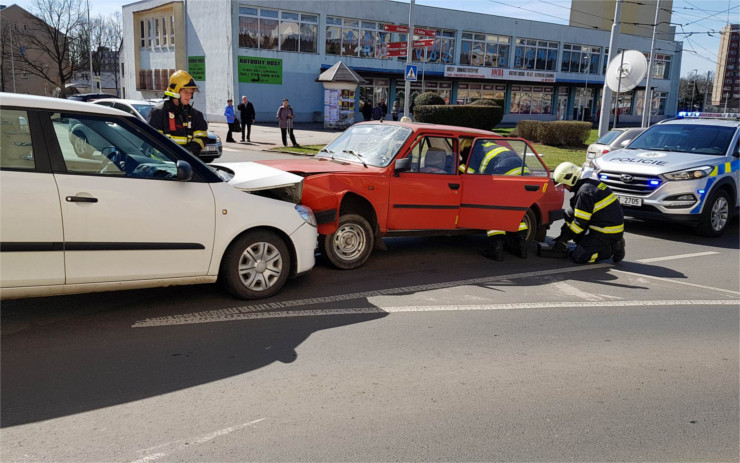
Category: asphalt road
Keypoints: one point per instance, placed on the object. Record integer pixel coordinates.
(428, 353)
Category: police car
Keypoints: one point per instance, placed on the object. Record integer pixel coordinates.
(683, 170)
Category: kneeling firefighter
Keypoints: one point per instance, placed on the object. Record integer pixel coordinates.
(176, 119)
(595, 222)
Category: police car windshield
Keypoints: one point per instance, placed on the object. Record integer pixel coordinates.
(686, 138)
(375, 144)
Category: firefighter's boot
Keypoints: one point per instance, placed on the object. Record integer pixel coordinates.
(495, 251)
(618, 251)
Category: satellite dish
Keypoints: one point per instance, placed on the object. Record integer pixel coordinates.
(626, 71)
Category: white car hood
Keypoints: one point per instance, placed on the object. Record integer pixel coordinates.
(653, 162)
(265, 180)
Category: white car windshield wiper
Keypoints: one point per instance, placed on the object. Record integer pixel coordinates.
(357, 155)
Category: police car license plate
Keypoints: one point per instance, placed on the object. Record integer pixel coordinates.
(629, 201)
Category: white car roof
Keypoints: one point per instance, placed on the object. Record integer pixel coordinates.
(56, 104)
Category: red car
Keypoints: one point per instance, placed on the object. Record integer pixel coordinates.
(393, 178)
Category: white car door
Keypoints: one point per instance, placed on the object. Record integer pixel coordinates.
(126, 216)
(31, 251)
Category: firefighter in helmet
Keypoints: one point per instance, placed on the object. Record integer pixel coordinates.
(491, 158)
(176, 119)
(596, 220)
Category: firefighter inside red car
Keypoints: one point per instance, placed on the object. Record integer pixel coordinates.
(490, 158)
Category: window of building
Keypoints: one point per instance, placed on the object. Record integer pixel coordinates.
(661, 66)
(443, 50)
(535, 54)
(469, 92)
(164, 32)
(527, 99)
(149, 33)
(352, 37)
(485, 50)
(657, 104)
(172, 30)
(142, 34)
(582, 59)
(268, 29)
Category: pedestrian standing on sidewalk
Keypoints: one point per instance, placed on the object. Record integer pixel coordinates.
(230, 117)
(247, 114)
(285, 116)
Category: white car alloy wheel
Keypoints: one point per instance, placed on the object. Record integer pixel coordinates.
(256, 265)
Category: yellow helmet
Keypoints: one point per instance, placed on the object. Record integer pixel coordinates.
(179, 80)
(566, 173)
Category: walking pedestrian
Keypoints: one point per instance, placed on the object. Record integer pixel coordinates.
(394, 110)
(247, 115)
(285, 116)
(230, 117)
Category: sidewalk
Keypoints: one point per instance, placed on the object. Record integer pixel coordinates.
(266, 136)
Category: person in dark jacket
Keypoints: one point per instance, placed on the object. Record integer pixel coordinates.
(596, 220)
(367, 110)
(247, 116)
(176, 119)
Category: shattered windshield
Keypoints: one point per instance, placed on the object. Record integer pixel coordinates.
(685, 138)
(369, 144)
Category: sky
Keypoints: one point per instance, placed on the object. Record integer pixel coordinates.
(699, 20)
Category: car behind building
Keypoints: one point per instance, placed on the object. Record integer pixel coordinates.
(612, 140)
(134, 211)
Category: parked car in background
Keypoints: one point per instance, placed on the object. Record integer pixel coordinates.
(612, 140)
(136, 210)
(383, 179)
(140, 108)
(90, 96)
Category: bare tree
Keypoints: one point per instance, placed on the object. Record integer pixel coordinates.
(51, 44)
(6, 56)
(106, 38)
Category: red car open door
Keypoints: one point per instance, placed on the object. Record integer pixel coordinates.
(504, 178)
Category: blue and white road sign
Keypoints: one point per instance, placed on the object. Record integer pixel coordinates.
(411, 72)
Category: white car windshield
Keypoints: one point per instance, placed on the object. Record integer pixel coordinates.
(685, 138)
(368, 144)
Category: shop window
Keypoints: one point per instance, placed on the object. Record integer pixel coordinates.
(531, 99)
(443, 50)
(484, 50)
(267, 29)
(352, 37)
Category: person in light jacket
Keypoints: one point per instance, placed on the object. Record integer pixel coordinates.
(230, 117)
(285, 116)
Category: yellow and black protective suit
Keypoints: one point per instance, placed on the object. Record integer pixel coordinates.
(595, 223)
(493, 159)
(183, 124)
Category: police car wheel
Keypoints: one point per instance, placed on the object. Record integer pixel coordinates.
(207, 159)
(255, 265)
(350, 245)
(716, 215)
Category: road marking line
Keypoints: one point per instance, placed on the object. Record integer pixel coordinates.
(679, 256)
(175, 445)
(427, 308)
(685, 283)
(369, 294)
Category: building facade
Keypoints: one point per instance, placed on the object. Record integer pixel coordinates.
(270, 50)
(726, 88)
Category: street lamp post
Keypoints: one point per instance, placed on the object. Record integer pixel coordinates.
(584, 100)
(693, 87)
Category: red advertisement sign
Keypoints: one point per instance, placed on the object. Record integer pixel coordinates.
(405, 30)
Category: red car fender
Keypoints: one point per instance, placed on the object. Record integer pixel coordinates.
(326, 193)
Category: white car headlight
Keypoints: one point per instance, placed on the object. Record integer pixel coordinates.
(306, 214)
(689, 174)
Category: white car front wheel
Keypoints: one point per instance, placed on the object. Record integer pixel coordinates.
(256, 265)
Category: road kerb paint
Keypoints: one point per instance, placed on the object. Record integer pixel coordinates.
(678, 256)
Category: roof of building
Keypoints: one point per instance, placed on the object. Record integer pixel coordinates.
(340, 72)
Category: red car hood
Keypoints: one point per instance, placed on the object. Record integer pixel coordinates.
(319, 166)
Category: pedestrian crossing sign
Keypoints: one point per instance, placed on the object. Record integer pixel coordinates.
(411, 72)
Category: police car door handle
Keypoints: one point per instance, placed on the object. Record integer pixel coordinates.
(453, 186)
(81, 199)
(531, 187)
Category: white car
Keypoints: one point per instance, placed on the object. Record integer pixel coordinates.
(140, 108)
(137, 212)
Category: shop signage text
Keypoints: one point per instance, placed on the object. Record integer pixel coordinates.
(197, 67)
(405, 30)
(254, 70)
(472, 72)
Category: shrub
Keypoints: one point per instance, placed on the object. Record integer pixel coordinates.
(484, 102)
(473, 116)
(428, 98)
(555, 133)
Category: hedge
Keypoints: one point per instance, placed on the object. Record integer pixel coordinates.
(473, 116)
(555, 133)
(428, 98)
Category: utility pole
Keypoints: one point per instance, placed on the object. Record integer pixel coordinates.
(409, 46)
(606, 94)
(89, 44)
(693, 87)
(706, 89)
(647, 106)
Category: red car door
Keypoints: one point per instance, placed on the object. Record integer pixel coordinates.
(427, 197)
(504, 178)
